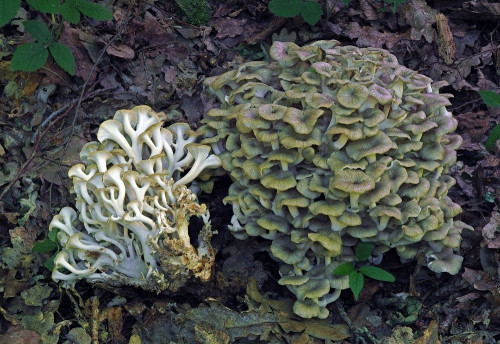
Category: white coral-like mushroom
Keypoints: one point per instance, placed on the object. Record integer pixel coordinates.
(134, 204)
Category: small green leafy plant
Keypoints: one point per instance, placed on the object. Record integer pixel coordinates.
(29, 57)
(356, 273)
(48, 245)
(311, 11)
(492, 99)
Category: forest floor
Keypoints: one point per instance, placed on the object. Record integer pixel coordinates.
(149, 55)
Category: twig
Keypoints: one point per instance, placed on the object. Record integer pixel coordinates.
(465, 104)
(39, 139)
(47, 120)
(360, 333)
(35, 148)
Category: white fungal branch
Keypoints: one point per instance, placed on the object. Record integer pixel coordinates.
(133, 206)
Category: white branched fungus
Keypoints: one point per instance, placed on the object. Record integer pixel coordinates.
(134, 206)
(329, 146)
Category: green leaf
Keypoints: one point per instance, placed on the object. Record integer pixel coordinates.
(346, 2)
(45, 6)
(311, 12)
(70, 13)
(53, 234)
(46, 245)
(49, 264)
(285, 8)
(63, 57)
(38, 30)
(92, 10)
(377, 273)
(344, 269)
(363, 251)
(356, 282)
(8, 10)
(29, 57)
(493, 137)
(490, 98)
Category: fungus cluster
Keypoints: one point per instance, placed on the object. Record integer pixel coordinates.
(328, 146)
(134, 206)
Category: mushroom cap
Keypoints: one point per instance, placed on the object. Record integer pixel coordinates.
(302, 121)
(372, 117)
(322, 100)
(313, 289)
(352, 95)
(385, 210)
(287, 251)
(271, 112)
(291, 198)
(361, 232)
(339, 160)
(249, 119)
(351, 131)
(279, 180)
(330, 241)
(284, 155)
(329, 208)
(273, 223)
(293, 280)
(284, 53)
(377, 144)
(309, 309)
(445, 262)
(353, 181)
(251, 146)
(350, 219)
(291, 139)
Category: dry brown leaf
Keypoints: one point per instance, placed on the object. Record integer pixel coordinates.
(368, 10)
(480, 280)
(420, 17)
(476, 124)
(122, 51)
(446, 45)
(430, 334)
(490, 231)
(70, 38)
(17, 335)
(228, 27)
(370, 37)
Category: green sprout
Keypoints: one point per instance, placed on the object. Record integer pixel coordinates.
(48, 245)
(30, 57)
(357, 273)
(492, 99)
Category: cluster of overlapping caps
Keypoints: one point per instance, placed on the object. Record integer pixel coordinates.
(327, 146)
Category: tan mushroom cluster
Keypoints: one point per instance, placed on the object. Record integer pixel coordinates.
(134, 206)
(330, 145)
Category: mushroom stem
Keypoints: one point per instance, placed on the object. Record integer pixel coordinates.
(294, 211)
(372, 158)
(382, 222)
(342, 140)
(354, 197)
(336, 224)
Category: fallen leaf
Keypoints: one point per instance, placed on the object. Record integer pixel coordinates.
(228, 27)
(480, 280)
(446, 44)
(368, 36)
(430, 334)
(490, 231)
(122, 51)
(17, 335)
